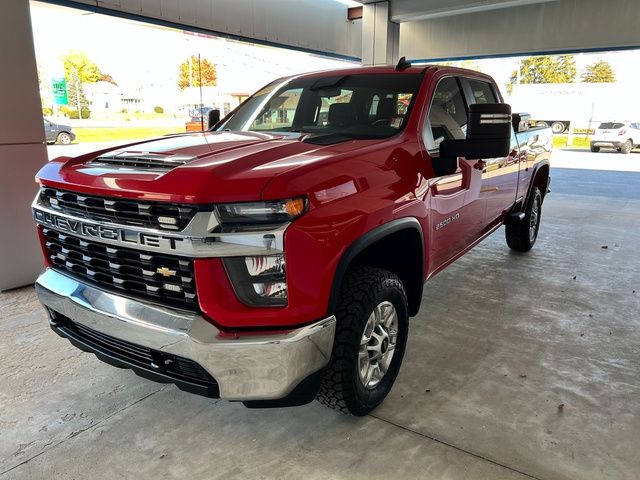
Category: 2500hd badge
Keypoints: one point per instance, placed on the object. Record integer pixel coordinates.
(447, 221)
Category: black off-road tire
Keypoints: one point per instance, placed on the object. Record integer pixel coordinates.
(626, 147)
(362, 290)
(518, 234)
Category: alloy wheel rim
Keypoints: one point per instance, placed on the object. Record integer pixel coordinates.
(378, 344)
(533, 221)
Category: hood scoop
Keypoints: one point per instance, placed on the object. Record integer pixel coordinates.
(141, 161)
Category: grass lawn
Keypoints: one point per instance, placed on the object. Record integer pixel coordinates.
(88, 134)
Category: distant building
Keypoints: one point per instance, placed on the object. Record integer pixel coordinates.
(103, 97)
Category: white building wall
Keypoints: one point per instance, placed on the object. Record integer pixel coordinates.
(22, 149)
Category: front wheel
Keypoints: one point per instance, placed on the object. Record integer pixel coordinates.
(371, 335)
(595, 149)
(522, 235)
(64, 138)
(626, 147)
(557, 127)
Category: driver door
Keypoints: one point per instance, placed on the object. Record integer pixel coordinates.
(456, 207)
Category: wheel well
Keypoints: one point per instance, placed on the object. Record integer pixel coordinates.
(541, 179)
(400, 252)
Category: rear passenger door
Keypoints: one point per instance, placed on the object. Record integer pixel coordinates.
(499, 175)
(456, 209)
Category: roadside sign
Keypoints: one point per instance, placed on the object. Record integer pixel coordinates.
(59, 88)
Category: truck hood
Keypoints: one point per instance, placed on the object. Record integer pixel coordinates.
(219, 166)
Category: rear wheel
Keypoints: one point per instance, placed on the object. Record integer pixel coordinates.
(626, 147)
(595, 149)
(522, 235)
(371, 336)
(64, 138)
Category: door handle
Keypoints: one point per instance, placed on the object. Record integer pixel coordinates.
(479, 165)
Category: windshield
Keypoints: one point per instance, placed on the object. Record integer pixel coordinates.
(353, 106)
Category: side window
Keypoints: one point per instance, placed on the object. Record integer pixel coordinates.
(447, 118)
(279, 112)
(482, 91)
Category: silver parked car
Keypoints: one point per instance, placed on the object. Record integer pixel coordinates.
(623, 136)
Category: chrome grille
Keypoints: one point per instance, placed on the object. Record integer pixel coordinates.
(164, 279)
(165, 216)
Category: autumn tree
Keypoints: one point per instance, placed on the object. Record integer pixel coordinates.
(86, 70)
(468, 64)
(196, 72)
(599, 72)
(548, 69)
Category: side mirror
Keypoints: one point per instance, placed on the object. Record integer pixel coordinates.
(213, 118)
(521, 122)
(488, 133)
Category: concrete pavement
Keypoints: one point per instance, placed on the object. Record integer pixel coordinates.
(518, 366)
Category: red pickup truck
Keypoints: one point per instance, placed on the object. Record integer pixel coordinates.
(278, 257)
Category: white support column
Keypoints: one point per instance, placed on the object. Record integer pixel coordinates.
(22, 148)
(380, 36)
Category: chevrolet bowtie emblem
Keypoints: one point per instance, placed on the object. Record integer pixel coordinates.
(166, 272)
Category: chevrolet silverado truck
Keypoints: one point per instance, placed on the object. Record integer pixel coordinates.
(278, 257)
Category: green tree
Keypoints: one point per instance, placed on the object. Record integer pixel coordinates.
(78, 104)
(549, 69)
(77, 62)
(599, 72)
(196, 72)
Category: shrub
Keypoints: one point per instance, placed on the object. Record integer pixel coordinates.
(47, 112)
(158, 109)
(72, 113)
(124, 110)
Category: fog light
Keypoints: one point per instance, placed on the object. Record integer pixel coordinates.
(271, 290)
(258, 280)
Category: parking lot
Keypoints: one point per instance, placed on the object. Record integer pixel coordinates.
(518, 366)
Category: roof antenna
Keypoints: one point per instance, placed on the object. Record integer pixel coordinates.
(403, 64)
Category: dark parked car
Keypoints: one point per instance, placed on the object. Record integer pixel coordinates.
(55, 132)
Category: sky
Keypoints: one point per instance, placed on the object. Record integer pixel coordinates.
(141, 55)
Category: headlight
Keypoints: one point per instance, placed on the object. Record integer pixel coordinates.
(248, 216)
(259, 281)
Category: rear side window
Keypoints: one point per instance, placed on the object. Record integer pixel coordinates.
(610, 125)
(482, 91)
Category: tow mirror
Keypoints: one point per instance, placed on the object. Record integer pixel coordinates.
(521, 122)
(488, 133)
(213, 118)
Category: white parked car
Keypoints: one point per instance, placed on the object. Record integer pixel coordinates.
(623, 136)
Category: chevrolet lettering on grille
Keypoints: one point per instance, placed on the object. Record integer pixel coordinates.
(121, 235)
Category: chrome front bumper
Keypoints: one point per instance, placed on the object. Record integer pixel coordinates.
(246, 367)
